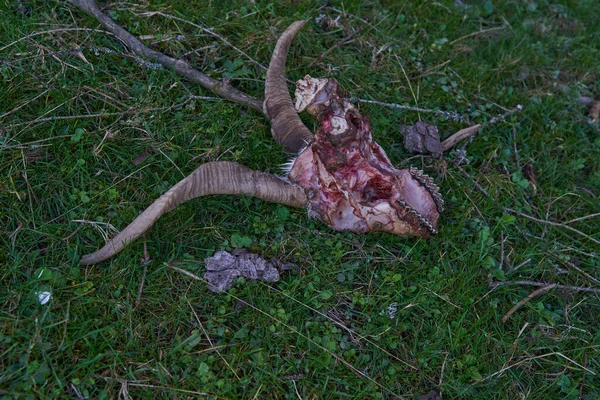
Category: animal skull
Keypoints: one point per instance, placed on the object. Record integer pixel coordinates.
(350, 181)
(342, 176)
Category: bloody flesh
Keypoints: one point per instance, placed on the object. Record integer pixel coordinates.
(350, 181)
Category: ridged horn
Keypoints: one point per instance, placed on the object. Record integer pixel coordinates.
(286, 127)
(219, 177)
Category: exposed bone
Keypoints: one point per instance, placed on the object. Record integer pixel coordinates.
(355, 186)
(219, 177)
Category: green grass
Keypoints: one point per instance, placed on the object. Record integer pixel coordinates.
(283, 341)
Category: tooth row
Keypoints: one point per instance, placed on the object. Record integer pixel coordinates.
(431, 187)
(422, 220)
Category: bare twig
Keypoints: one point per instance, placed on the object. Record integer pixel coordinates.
(448, 114)
(558, 244)
(145, 262)
(543, 221)
(222, 89)
(496, 284)
(51, 32)
(24, 104)
(501, 265)
(573, 266)
(514, 143)
(475, 183)
(66, 117)
(453, 140)
(522, 264)
(537, 358)
(531, 295)
(13, 235)
(349, 330)
(129, 111)
(582, 384)
(296, 390)
(582, 218)
(472, 130)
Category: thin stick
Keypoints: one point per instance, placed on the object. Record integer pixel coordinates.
(66, 322)
(24, 104)
(563, 246)
(145, 262)
(459, 136)
(222, 89)
(52, 31)
(515, 149)
(409, 84)
(583, 376)
(524, 301)
(520, 265)
(542, 284)
(131, 110)
(448, 114)
(573, 266)
(67, 117)
(543, 221)
(537, 358)
(141, 287)
(501, 265)
(466, 175)
(472, 130)
(582, 218)
(349, 330)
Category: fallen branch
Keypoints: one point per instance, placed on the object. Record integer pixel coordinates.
(220, 88)
(496, 284)
(524, 301)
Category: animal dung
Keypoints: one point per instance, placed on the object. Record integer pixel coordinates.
(422, 138)
(224, 268)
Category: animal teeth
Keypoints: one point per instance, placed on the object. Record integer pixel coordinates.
(422, 220)
(431, 187)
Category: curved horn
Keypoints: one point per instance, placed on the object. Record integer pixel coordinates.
(220, 177)
(287, 128)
